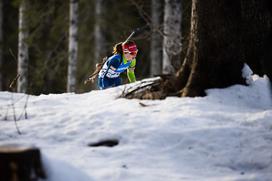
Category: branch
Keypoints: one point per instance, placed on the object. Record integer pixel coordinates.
(14, 116)
(25, 107)
(14, 81)
(142, 13)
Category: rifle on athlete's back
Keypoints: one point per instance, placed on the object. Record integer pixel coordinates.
(99, 66)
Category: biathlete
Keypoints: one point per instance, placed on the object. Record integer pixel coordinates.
(123, 59)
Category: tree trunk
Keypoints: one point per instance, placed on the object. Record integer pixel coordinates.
(99, 35)
(223, 33)
(172, 36)
(100, 49)
(214, 58)
(23, 56)
(20, 163)
(1, 45)
(156, 39)
(73, 46)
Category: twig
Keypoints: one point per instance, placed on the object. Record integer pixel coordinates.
(25, 107)
(143, 105)
(12, 54)
(142, 13)
(147, 19)
(13, 81)
(12, 105)
(14, 116)
(18, 75)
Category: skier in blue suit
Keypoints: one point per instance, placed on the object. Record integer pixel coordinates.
(123, 59)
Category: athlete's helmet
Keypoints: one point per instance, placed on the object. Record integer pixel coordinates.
(130, 47)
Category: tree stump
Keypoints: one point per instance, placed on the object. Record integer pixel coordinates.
(20, 163)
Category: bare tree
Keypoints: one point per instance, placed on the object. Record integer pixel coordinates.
(172, 36)
(73, 46)
(156, 39)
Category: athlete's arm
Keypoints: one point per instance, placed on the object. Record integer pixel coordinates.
(130, 71)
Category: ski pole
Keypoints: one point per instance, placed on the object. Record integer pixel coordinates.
(137, 30)
(129, 37)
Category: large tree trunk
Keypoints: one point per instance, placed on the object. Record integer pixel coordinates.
(214, 53)
(1, 45)
(73, 46)
(23, 56)
(172, 36)
(156, 39)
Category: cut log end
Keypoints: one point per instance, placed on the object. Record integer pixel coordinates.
(19, 162)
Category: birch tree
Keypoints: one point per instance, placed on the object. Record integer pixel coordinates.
(172, 36)
(23, 56)
(73, 46)
(1, 45)
(156, 39)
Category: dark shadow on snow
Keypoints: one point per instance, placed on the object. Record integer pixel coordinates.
(106, 142)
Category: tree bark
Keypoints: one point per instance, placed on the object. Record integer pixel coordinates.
(172, 36)
(20, 163)
(23, 56)
(156, 39)
(73, 46)
(216, 48)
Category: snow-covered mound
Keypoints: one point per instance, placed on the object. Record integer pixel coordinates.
(226, 135)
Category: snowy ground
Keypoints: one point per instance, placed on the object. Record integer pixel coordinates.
(226, 135)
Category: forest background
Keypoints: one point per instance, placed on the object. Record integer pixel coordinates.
(48, 39)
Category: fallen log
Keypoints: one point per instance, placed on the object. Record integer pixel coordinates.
(152, 88)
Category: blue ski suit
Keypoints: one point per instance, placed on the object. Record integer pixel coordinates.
(110, 77)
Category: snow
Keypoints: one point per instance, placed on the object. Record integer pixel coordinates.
(224, 136)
